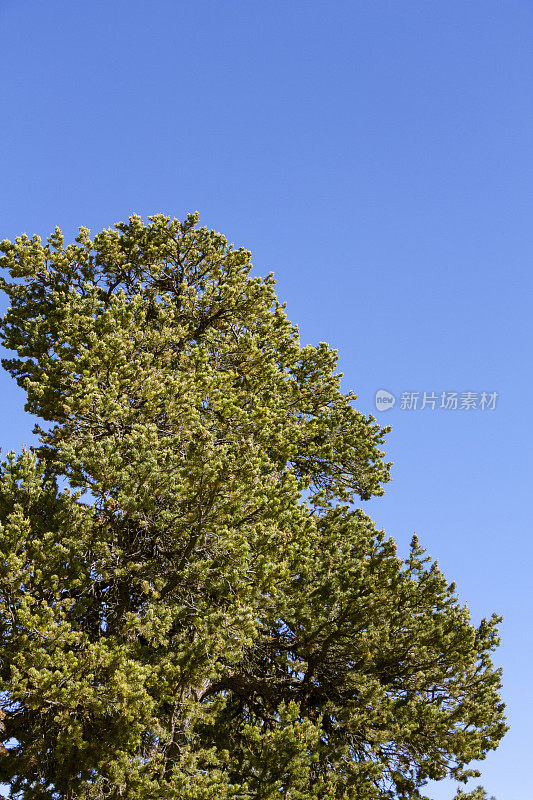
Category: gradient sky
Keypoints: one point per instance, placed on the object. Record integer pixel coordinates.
(377, 156)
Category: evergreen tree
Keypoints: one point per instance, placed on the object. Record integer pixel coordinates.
(190, 606)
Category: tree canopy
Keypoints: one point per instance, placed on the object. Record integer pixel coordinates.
(191, 606)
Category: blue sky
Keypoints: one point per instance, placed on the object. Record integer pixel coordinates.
(377, 156)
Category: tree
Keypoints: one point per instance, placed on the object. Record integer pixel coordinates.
(190, 605)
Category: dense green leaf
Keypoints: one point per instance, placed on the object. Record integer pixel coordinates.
(201, 612)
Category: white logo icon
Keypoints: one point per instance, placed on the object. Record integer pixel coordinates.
(384, 400)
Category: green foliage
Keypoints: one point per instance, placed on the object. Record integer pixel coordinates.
(201, 613)
(477, 794)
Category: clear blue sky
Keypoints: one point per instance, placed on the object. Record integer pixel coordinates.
(377, 156)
